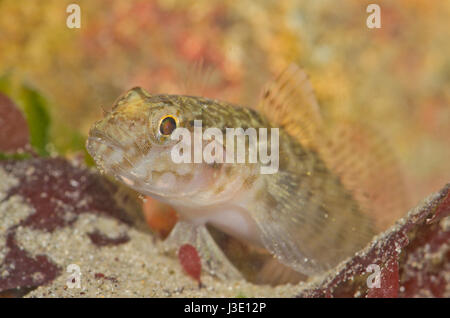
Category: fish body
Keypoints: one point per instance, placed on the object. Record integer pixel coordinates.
(304, 214)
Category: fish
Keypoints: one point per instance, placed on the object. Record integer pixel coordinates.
(336, 184)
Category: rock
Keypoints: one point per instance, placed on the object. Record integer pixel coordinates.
(65, 232)
(13, 127)
(57, 218)
(413, 257)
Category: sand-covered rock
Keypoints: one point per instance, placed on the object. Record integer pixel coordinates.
(64, 232)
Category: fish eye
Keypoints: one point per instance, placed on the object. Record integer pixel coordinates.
(167, 125)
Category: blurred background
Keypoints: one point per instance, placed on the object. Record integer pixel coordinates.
(396, 77)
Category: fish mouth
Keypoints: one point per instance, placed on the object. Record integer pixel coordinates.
(99, 145)
(97, 138)
(102, 148)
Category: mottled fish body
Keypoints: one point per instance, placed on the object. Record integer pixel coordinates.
(311, 214)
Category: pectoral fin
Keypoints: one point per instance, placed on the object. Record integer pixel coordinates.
(213, 259)
(309, 222)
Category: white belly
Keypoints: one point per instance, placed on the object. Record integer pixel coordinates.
(232, 220)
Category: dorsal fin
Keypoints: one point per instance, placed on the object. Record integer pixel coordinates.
(355, 152)
(198, 78)
(289, 102)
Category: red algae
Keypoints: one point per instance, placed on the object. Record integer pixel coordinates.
(58, 192)
(413, 257)
(389, 281)
(101, 239)
(13, 127)
(190, 261)
(103, 276)
(24, 271)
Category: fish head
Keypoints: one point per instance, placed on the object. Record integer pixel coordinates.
(134, 143)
